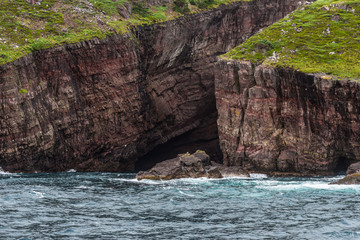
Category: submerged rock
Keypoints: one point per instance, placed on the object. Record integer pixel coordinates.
(190, 166)
(350, 179)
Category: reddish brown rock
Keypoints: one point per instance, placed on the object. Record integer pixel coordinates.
(281, 120)
(100, 105)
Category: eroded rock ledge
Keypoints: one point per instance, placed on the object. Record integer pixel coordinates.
(281, 120)
(100, 105)
(187, 165)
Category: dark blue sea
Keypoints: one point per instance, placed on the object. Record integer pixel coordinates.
(116, 206)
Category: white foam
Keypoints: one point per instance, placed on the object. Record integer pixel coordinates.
(328, 186)
(157, 182)
(232, 176)
(186, 194)
(258, 175)
(71, 170)
(38, 194)
(82, 187)
(308, 185)
(2, 172)
(145, 181)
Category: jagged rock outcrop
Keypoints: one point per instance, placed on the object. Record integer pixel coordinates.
(353, 168)
(99, 105)
(353, 175)
(349, 180)
(190, 166)
(281, 120)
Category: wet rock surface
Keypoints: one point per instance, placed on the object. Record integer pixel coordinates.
(100, 105)
(190, 166)
(281, 120)
(349, 180)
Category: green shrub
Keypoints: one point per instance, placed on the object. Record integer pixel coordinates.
(181, 6)
(23, 91)
(140, 9)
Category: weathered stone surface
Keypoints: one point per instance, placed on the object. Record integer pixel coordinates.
(184, 166)
(281, 120)
(100, 105)
(353, 168)
(190, 166)
(350, 179)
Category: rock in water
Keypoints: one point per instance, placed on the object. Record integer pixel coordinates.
(350, 179)
(190, 166)
(353, 168)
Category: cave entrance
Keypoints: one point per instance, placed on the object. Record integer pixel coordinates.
(342, 165)
(205, 137)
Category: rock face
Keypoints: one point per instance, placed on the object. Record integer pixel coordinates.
(280, 120)
(190, 166)
(100, 105)
(353, 168)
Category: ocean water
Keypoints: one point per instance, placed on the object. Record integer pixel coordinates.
(116, 206)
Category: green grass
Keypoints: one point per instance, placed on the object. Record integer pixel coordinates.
(25, 28)
(321, 38)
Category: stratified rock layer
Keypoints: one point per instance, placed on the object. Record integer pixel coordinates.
(99, 105)
(281, 120)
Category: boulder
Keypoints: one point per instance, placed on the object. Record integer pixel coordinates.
(353, 168)
(190, 166)
(350, 179)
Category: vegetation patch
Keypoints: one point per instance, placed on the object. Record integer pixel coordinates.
(27, 27)
(23, 91)
(323, 37)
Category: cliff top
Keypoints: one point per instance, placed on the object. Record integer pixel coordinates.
(323, 37)
(30, 25)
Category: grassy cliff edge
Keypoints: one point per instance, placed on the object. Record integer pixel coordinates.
(27, 27)
(323, 37)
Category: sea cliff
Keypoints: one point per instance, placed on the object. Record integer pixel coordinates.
(101, 104)
(281, 120)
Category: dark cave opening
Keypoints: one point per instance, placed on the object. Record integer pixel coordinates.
(205, 137)
(342, 165)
